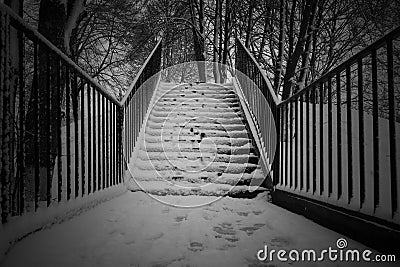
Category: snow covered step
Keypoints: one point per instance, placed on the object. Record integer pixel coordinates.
(198, 138)
(203, 105)
(188, 109)
(199, 113)
(221, 149)
(206, 132)
(192, 155)
(192, 124)
(199, 178)
(202, 119)
(195, 165)
(164, 188)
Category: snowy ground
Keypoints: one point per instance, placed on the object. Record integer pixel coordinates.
(136, 230)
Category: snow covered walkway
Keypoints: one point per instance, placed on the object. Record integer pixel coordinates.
(136, 230)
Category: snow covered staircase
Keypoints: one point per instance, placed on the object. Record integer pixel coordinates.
(196, 142)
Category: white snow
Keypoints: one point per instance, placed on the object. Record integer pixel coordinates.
(136, 230)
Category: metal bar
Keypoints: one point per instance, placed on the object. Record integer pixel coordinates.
(308, 176)
(330, 138)
(99, 149)
(339, 135)
(94, 141)
(112, 134)
(76, 131)
(314, 137)
(68, 128)
(296, 149)
(392, 127)
(301, 133)
(48, 132)
(21, 158)
(35, 93)
(321, 138)
(89, 137)
(291, 179)
(286, 144)
(83, 165)
(349, 136)
(107, 146)
(375, 126)
(58, 131)
(104, 147)
(361, 130)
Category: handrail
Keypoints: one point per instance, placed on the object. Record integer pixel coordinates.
(18, 22)
(262, 72)
(139, 74)
(352, 60)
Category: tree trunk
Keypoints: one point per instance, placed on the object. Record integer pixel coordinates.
(267, 22)
(290, 75)
(217, 19)
(307, 50)
(53, 19)
(249, 23)
(291, 28)
(198, 39)
(225, 51)
(279, 61)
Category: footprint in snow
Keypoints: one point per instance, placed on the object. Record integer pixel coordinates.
(232, 239)
(244, 214)
(279, 242)
(195, 246)
(155, 236)
(181, 218)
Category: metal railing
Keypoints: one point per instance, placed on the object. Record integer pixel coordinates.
(263, 104)
(338, 138)
(340, 142)
(137, 100)
(61, 132)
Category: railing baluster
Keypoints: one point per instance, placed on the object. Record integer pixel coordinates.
(83, 139)
(48, 132)
(321, 138)
(314, 138)
(392, 128)
(94, 113)
(308, 176)
(301, 133)
(58, 131)
(75, 107)
(292, 178)
(68, 128)
(107, 145)
(99, 167)
(35, 93)
(375, 123)
(89, 137)
(339, 135)
(330, 138)
(21, 156)
(349, 136)
(296, 148)
(361, 130)
(104, 143)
